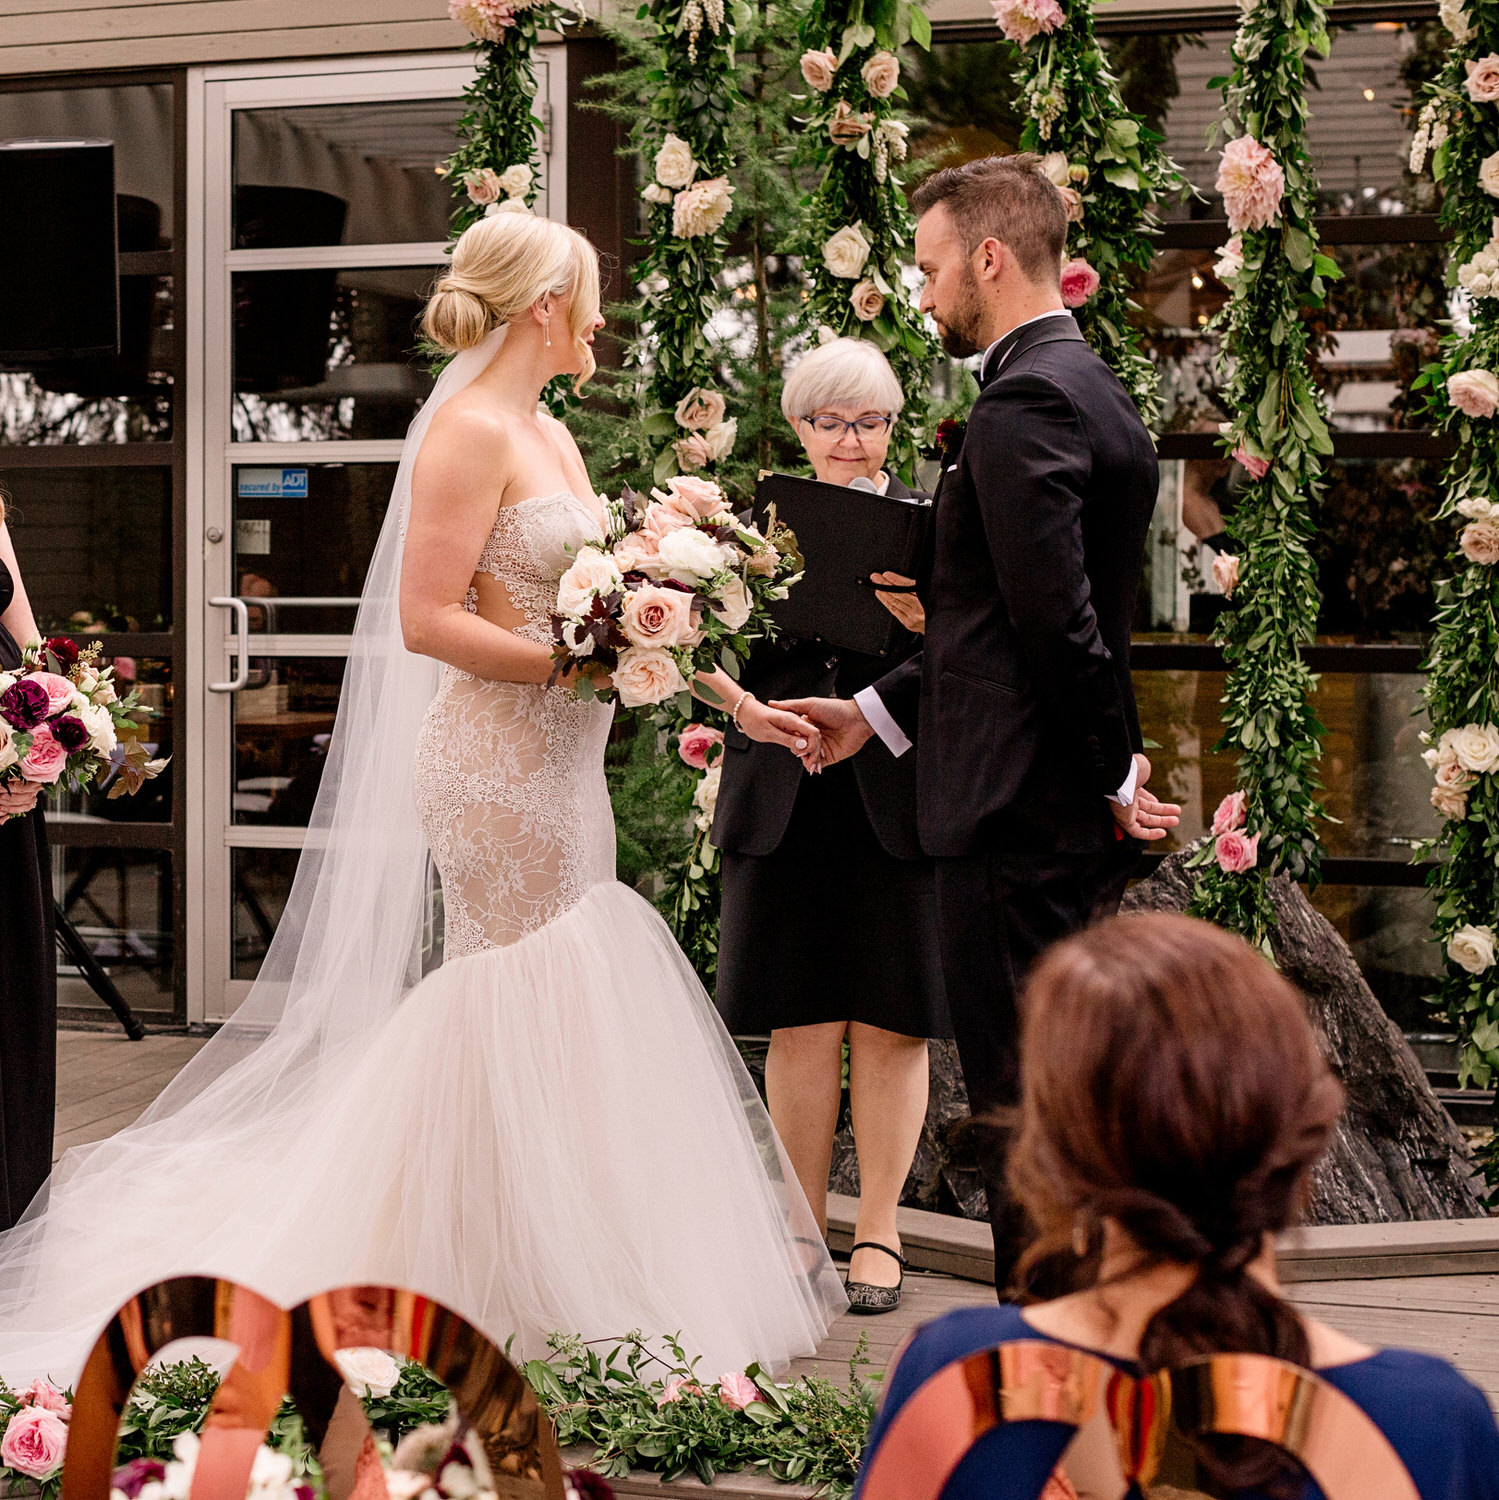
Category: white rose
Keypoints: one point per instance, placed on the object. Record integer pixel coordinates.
(845, 252)
(706, 795)
(270, 1470)
(690, 556)
(674, 164)
(647, 675)
(368, 1372)
(733, 604)
(101, 728)
(516, 180)
(1472, 948)
(653, 192)
(1488, 175)
(8, 755)
(1054, 168)
(509, 206)
(1474, 507)
(1455, 19)
(1476, 747)
(593, 573)
(576, 637)
(720, 438)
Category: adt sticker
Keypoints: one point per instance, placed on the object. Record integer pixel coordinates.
(260, 484)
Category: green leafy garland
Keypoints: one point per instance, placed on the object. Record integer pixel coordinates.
(856, 224)
(1459, 125)
(1279, 434)
(1109, 166)
(684, 136)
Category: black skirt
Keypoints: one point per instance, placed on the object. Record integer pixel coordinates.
(829, 927)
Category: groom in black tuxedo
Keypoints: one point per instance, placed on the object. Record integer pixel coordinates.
(1031, 784)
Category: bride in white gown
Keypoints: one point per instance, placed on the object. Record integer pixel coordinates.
(551, 1131)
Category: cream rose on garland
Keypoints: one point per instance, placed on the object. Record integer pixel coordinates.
(1476, 747)
(1472, 948)
(868, 301)
(1488, 175)
(1483, 78)
(674, 165)
(1480, 543)
(720, 439)
(482, 185)
(700, 409)
(1475, 393)
(1230, 259)
(848, 126)
(1455, 18)
(701, 208)
(516, 180)
(818, 69)
(881, 74)
(845, 252)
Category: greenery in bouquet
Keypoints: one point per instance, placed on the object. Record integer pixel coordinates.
(1458, 131)
(679, 586)
(641, 1410)
(856, 229)
(63, 721)
(1109, 166)
(1279, 435)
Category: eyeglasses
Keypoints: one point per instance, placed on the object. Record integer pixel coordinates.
(835, 427)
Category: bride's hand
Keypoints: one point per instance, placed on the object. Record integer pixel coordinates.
(775, 726)
(602, 681)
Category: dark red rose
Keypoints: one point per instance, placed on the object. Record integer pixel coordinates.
(63, 649)
(23, 705)
(130, 1479)
(588, 1485)
(70, 732)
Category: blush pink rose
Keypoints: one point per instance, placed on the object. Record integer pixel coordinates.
(652, 616)
(1483, 79)
(695, 744)
(676, 1387)
(46, 759)
(1257, 467)
(640, 552)
(1079, 282)
(1231, 813)
(1480, 543)
(704, 496)
(666, 516)
(34, 1443)
(48, 1397)
(1475, 393)
(1226, 573)
(737, 1391)
(1236, 852)
(59, 691)
(1252, 184)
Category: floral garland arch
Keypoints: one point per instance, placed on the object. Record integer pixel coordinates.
(1279, 435)
(1459, 128)
(1109, 167)
(857, 225)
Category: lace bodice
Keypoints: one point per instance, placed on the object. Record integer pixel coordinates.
(509, 776)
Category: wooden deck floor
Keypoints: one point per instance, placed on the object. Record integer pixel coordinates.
(105, 1081)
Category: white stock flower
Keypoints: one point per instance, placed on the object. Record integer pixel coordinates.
(674, 164)
(845, 252)
(1472, 948)
(690, 556)
(593, 572)
(1476, 747)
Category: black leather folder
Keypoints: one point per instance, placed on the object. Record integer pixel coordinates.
(844, 534)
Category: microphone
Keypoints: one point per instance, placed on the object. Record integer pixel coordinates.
(863, 482)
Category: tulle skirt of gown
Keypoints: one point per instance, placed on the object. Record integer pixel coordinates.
(552, 1133)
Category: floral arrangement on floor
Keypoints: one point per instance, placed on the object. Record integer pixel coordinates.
(63, 722)
(1458, 129)
(679, 586)
(1279, 435)
(640, 1410)
(856, 227)
(692, 885)
(1108, 165)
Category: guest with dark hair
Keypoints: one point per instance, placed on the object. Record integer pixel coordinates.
(28, 968)
(1174, 1105)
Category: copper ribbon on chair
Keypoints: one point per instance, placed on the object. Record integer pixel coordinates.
(291, 1352)
(1150, 1421)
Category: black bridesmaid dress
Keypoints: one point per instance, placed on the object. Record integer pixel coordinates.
(28, 991)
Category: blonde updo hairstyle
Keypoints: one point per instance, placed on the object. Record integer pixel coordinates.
(501, 266)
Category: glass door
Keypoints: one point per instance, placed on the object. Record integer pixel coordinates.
(324, 226)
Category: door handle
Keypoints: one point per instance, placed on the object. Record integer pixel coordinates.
(242, 645)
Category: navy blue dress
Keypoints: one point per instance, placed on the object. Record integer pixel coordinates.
(1438, 1423)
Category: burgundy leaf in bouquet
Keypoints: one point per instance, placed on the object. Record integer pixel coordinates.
(24, 704)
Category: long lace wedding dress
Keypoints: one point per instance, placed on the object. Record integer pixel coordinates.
(550, 1132)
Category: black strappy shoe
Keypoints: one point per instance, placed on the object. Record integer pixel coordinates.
(864, 1296)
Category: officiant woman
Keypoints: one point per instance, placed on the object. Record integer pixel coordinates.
(28, 970)
(828, 927)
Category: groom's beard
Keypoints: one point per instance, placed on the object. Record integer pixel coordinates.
(962, 330)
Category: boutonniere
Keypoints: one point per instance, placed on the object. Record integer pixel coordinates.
(947, 441)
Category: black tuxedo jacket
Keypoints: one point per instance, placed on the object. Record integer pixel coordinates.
(1021, 700)
(759, 783)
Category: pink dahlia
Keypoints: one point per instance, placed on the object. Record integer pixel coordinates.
(1021, 20)
(486, 19)
(1252, 184)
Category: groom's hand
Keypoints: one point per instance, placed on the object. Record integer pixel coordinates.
(1147, 817)
(844, 728)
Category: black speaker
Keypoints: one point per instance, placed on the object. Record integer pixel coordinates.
(59, 280)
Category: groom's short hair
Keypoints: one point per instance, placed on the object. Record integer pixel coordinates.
(1007, 198)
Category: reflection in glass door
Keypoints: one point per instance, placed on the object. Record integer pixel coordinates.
(324, 227)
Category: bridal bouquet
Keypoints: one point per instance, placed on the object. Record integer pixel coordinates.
(680, 585)
(63, 722)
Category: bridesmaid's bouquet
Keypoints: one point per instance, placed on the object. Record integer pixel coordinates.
(680, 585)
(62, 722)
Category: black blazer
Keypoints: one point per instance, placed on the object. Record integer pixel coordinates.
(1021, 699)
(759, 783)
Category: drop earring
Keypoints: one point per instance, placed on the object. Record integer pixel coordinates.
(547, 325)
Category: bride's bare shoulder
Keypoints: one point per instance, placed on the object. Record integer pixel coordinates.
(468, 437)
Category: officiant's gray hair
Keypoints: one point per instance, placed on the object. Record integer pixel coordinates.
(842, 372)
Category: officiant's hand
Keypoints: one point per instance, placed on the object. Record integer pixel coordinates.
(845, 730)
(1147, 817)
(906, 608)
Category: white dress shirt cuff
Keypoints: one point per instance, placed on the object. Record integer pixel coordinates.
(1125, 795)
(878, 717)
